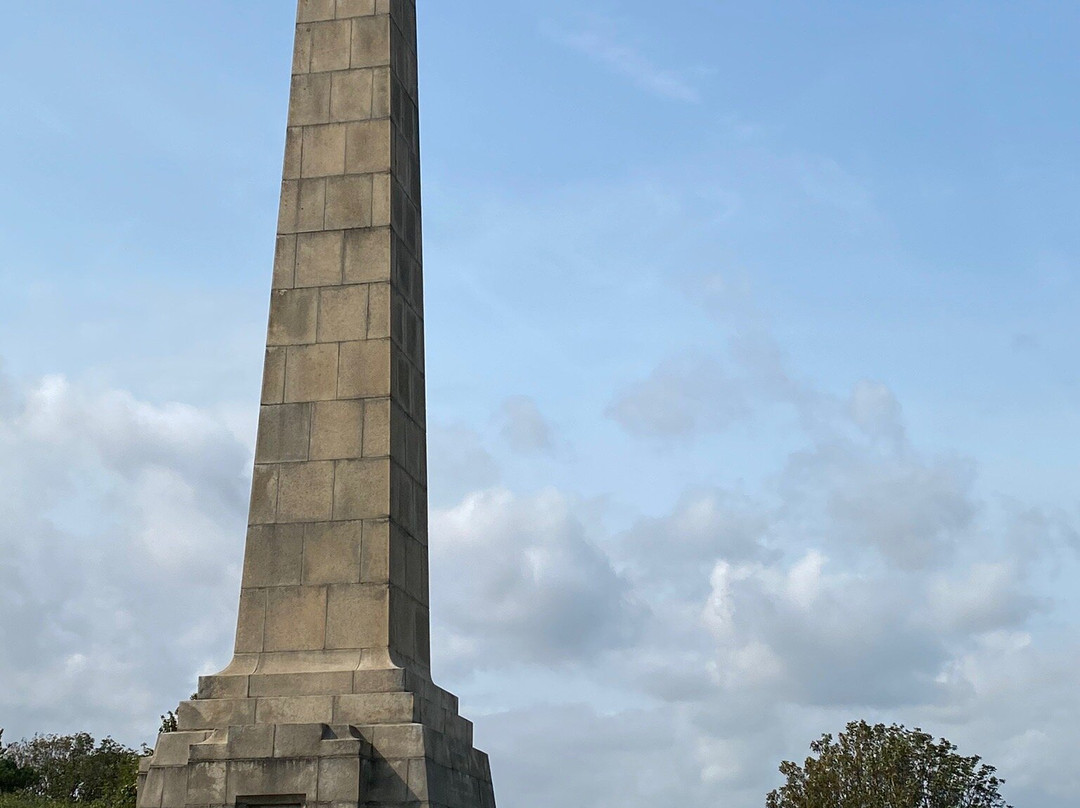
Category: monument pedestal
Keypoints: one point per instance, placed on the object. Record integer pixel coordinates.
(389, 739)
(328, 700)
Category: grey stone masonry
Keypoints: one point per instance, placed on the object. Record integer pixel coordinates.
(328, 699)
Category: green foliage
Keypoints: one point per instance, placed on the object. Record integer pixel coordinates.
(886, 767)
(13, 777)
(168, 722)
(73, 769)
(23, 799)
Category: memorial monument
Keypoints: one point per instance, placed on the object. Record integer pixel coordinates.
(328, 700)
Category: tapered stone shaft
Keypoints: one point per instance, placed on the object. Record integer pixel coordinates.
(336, 557)
(328, 700)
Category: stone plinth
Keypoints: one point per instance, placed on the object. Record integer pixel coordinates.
(328, 699)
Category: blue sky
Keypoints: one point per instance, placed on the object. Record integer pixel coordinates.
(751, 374)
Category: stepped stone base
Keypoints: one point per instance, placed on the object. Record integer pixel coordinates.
(261, 745)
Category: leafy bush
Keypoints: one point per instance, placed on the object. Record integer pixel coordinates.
(67, 770)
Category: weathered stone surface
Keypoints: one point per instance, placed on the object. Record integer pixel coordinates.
(328, 700)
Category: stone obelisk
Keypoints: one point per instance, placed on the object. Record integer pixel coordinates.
(328, 699)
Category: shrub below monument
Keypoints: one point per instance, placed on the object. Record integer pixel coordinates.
(57, 771)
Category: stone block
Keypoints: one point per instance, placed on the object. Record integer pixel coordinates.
(299, 740)
(251, 621)
(301, 62)
(418, 779)
(289, 206)
(303, 203)
(273, 386)
(416, 573)
(362, 489)
(294, 143)
(355, 8)
(375, 554)
(260, 777)
(367, 147)
(273, 555)
(402, 492)
(151, 785)
(311, 661)
(173, 748)
(324, 150)
(400, 741)
(206, 783)
(318, 259)
(460, 730)
(356, 616)
(174, 787)
(284, 262)
(381, 201)
(251, 741)
(389, 680)
(403, 612)
(306, 492)
(337, 429)
(348, 202)
(311, 213)
(332, 553)
(309, 100)
(352, 95)
(367, 255)
(311, 373)
(379, 310)
(371, 42)
(264, 492)
(221, 686)
(481, 765)
(364, 369)
(381, 89)
(399, 428)
(389, 782)
(330, 45)
(376, 708)
(284, 433)
(339, 780)
(343, 314)
(295, 710)
(213, 713)
(315, 10)
(293, 317)
(295, 619)
(309, 683)
(377, 428)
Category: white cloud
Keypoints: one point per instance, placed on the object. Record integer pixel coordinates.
(681, 547)
(726, 633)
(680, 398)
(521, 580)
(913, 511)
(121, 532)
(459, 463)
(524, 427)
(599, 41)
(875, 410)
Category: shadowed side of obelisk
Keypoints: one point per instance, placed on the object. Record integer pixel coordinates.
(328, 698)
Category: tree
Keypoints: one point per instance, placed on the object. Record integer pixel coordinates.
(13, 777)
(77, 769)
(886, 767)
